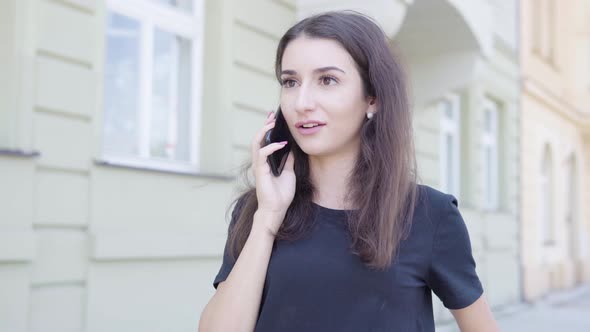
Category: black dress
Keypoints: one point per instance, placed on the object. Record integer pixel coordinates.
(316, 284)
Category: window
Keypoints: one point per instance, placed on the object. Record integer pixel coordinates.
(186, 5)
(588, 62)
(543, 29)
(572, 206)
(152, 83)
(450, 148)
(490, 154)
(545, 206)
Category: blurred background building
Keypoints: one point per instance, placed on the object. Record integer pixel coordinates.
(123, 124)
(555, 126)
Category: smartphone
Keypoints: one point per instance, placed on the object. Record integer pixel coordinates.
(279, 133)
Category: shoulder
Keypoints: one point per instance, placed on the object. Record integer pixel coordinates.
(434, 207)
(435, 200)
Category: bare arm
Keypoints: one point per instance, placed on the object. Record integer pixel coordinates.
(235, 304)
(476, 318)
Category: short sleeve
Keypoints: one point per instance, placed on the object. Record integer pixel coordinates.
(228, 262)
(452, 274)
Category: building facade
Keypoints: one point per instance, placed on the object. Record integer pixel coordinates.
(123, 125)
(463, 60)
(555, 64)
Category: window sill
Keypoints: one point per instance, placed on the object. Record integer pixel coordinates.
(159, 169)
(19, 153)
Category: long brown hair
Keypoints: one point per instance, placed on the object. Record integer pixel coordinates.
(383, 182)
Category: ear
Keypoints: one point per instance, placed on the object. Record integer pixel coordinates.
(372, 105)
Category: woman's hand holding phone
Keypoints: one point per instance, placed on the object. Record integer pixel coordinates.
(274, 193)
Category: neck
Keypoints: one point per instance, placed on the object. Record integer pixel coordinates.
(330, 175)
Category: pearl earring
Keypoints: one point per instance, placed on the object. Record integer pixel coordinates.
(369, 115)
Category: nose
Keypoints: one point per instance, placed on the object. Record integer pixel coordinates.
(304, 100)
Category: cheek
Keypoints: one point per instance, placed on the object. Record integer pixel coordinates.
(351, 115)
(287, 106)
(289, 115)
(346, 97)
(348, 107)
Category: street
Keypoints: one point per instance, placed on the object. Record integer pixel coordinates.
(568, 311)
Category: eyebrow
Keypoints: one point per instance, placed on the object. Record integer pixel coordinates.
(318, 70)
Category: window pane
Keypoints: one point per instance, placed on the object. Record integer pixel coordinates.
(448, 109)
(170, 124)
(488, 174)
(450, 164)
(121, 85)
(547, 212)
(488, 121)
(546, 186)
(186, 5)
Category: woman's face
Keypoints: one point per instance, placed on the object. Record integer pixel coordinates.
(321, 84)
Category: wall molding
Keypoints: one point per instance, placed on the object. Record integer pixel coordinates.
(140, 245)
(17, 246)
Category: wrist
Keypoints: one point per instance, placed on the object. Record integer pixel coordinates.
(262, 231)
(269, 214)
(263, 221)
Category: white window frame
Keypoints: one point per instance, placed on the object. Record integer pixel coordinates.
(489, 141)
(188, 25)
(450, 126)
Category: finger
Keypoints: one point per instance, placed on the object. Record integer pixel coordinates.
(270, 117)
(266, 151)
(260, 136)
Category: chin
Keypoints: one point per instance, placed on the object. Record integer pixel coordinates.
(313, 149)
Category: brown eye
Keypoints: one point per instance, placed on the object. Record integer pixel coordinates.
(287, 83)
(327, 79)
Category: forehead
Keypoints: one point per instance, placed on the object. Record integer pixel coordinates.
(304, 53)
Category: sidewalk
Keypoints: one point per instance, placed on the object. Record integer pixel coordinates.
(567, 311)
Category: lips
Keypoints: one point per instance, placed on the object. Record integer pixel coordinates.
(308, 127)
(309, 124)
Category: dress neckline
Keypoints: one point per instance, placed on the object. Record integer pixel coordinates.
(329, 210)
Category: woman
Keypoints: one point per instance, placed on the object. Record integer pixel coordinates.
(344, 239)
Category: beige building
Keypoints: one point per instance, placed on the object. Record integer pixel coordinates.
(122, 124)
(555, 64)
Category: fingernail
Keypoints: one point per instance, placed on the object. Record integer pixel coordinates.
(269, 114)
(284, 142)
